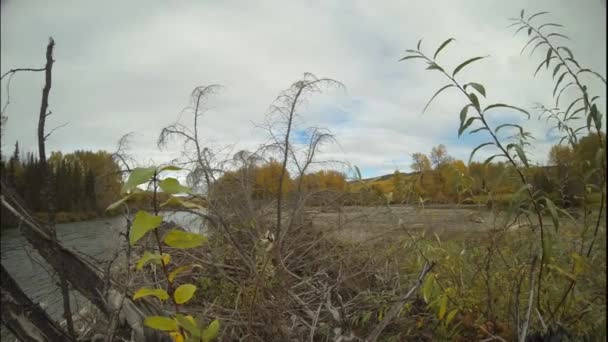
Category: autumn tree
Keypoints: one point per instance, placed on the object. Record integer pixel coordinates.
(440, 156)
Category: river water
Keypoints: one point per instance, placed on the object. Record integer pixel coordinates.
(98, 239)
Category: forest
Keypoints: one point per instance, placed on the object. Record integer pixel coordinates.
(84, 183)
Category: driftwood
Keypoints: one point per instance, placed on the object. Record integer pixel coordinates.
(24, 318)
(396, 308)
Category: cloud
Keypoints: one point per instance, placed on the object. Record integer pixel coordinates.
(125, 67)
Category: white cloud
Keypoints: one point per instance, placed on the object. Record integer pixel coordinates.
(130, 67)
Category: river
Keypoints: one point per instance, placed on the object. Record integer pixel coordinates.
(97, 238)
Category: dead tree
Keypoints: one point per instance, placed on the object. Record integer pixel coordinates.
(86, 278)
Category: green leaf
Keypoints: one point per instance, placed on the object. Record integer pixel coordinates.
(549, 25)
(480, 89)
(451, 316)
(521, 154)
(358, 172)
(548, 58)
(466, 125)
(528, 43)
(181, 239)
(521, 15)
(572, 105)
(490, 158)
(437, 93)
(467, 62)
(592, 116)
(443, 306)
(542, 42)
(161, 323)
(463, 114)
(474, 100)
(177, 271)
(184, 293)
(592, 72)
(561, 91)
(410, 57)
(170, 168)
(521, 129)
(559, 80)
(573, 61)
(118, 203)
(144, 292)
(427, 287)
(557, 35)
(482, 128)
(434, 66)
(477, 148)
(188, 324)
(536, 15)
(555, 70)
(502, 105)
(138, 176)
(418, 45)
(553, 210)
(176, 202)
(543, 63)
(579, 263)
(444, 44)
(146, 258)
(142, 224)
(211, 332)
(172, 186)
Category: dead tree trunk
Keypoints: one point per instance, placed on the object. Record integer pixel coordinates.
(24, 318)
(47, 174)
(83, 276)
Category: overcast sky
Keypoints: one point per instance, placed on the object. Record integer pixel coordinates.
(125, 66)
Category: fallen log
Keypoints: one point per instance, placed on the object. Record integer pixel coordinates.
(24, 318)
(89, 281)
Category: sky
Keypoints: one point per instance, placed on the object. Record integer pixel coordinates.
(129, 66)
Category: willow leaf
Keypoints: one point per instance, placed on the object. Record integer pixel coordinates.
(466, 125)
(480, 89)
(556, 69)
(557, 35)
(477, 149)
(528, 43)
(467, 62)
(463, 114)
(561, 91)
(502, 105)
(549, 25)
(593, 72)
(444, 44)
(521, 154)
(559, 80)
(437, 93)
(491, 157)
(536, 15)
(521, 130)
(410, 57)
(536, 46)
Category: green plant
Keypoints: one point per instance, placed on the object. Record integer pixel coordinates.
(180, 326)
(530, 203)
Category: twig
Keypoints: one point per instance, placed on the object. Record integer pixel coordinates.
(524, 329)
(396, 308)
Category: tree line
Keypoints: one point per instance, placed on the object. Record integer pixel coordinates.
(437, 177)
(84, 182)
